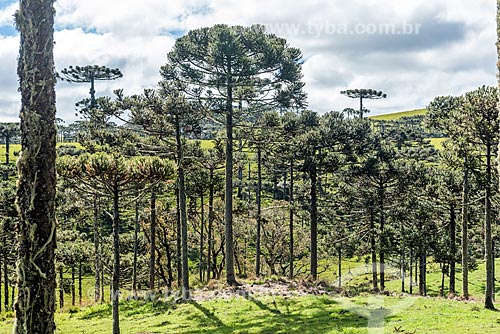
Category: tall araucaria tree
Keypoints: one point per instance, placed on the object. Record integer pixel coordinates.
(113, 175)
(234, 69)
(89, 74)
(165, 113)
(36, 191)
(362, 94)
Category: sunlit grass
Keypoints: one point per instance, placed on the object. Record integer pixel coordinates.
(397, 115)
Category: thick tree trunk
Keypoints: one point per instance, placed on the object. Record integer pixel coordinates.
(136, 245)
(152, 241)
(259, 216)
(183, 211)
(228, 207)
(488, 298)
(36, 190)
(115, 287)
(453, 248)
(465, 237)
(314, 222)
(291, 220)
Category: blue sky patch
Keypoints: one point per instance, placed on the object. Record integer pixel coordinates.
(8, 30)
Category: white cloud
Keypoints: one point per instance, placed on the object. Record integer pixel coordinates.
(454, 51)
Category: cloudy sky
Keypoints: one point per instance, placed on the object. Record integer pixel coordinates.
(411, 50)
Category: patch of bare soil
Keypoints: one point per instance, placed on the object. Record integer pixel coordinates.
(278, 287)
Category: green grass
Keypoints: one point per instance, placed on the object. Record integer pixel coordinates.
(14, 149)
(397, 115)
(305, 315)
(476, 281)
(206, 144)
(437, 142)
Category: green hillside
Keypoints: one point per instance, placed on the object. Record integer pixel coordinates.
(397, 115)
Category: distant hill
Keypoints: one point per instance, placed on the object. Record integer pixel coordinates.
(397, 115)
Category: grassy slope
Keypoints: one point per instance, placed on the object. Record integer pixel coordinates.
(393, 116)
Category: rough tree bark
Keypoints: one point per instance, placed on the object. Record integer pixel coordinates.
(36, 191)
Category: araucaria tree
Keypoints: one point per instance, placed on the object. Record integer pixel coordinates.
(234, 69)
(90, 74)
(361, 94)
(113, 175)
(37, 176)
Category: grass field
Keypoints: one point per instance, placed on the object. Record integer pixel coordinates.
(16, 148)
(394, 116)
(305, 315)
(438, 142)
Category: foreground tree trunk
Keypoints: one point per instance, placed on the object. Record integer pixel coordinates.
(36, 284)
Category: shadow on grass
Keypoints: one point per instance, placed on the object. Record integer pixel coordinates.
(245, 315)
(210, 315)
(127, 309)
(261, 305)
(320, 316)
